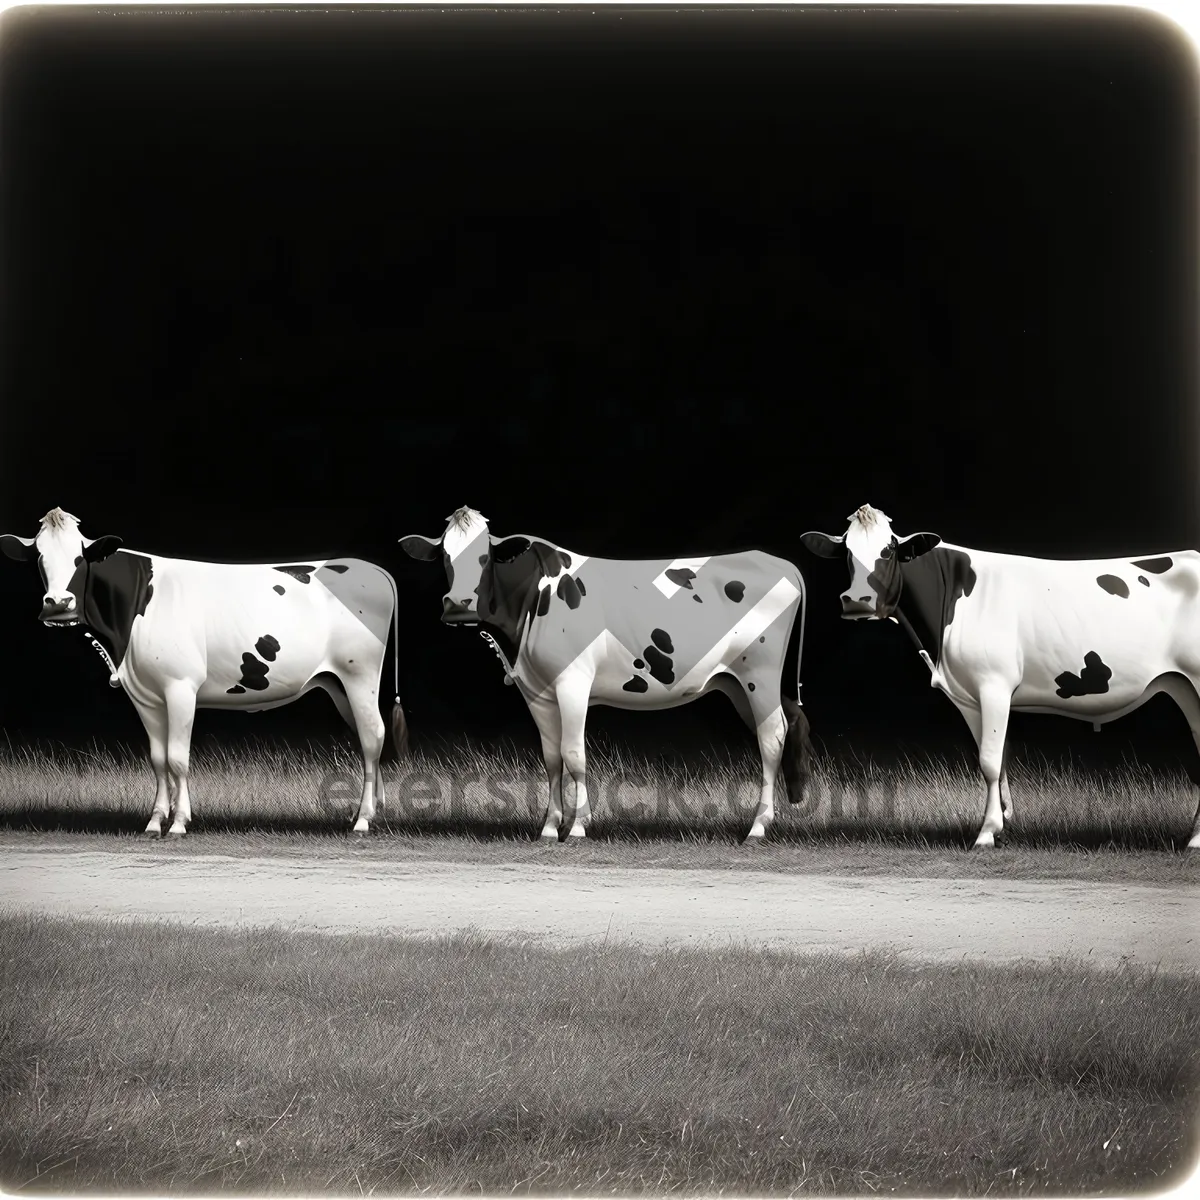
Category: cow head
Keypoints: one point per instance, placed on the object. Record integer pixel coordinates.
(468, 551)
(874, 554)
(59, 549)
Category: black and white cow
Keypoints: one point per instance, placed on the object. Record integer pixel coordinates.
(573, 631)
(1001, 632)
(180, 635)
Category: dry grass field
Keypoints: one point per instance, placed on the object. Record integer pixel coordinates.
(147, 1057)
(486, 804)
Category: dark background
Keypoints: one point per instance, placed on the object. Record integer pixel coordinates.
(287, 284)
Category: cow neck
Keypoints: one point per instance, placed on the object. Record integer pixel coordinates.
(115, 592)
(930, 587)
(512, 597)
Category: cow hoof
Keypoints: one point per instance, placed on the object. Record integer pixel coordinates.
(358, 833)
(175, 834)
(548, 839)
(151, 833)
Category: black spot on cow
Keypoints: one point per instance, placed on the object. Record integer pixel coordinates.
(662, 639)
(254, 674)
(579, 585)
(735, 590)
(1091, 681)
(340, 568)
(300, 573)
(267, 647)
(1156, 566)
(278, 587)
(763, 638)
(681, 576)
(236, 690)
(661, 667)
(750, 686)
(568, 591)
(78, 559)
(638, 664)
(483, 559)
(112, 593)
(924, 593)
(553, 559)
(511, 590)
(1144, 580)
(635, 684)
(696, 596)
(1114, 585)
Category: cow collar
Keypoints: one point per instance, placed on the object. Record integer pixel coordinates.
(113, 681)
(906, 625)
(508, 674)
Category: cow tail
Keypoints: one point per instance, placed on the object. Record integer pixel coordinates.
(797, 748)
(399, 723)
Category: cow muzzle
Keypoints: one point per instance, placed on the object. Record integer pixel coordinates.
(858, 610)
(59, 610)
(458, 612)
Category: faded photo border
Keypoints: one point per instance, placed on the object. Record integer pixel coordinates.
(626, 794)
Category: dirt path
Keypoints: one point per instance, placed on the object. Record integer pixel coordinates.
(928, 918)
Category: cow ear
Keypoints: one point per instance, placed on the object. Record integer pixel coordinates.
(823, 545)
(423, 548)
(506, 549)
(22, 549)
(915, 545)
(100, 548)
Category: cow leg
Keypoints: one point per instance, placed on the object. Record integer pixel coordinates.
(1191, 710)
(181, 714)
(549, 723)
(1186, 694)
(335, 689)
(155, 721)
(769, 726)
(771, 731)
(989, 725)
(573, 707)
(363, 702)
(1006, 805)
(764, 715)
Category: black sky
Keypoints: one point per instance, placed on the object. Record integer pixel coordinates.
(290, 283)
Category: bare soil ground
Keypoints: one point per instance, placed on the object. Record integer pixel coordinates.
(934, 919)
